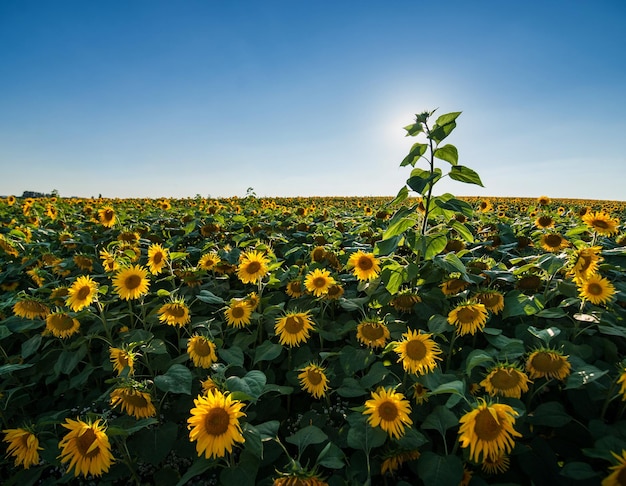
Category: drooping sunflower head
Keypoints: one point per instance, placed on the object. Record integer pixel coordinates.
(30, 308)
(238, 313)
(453, 286)
(417, 352)
(392, 462)
(365, 266)
(253, 300)
(334, 292)
(175, 313)
(491, 299)
(596, 289)
(548, 363)
(293, 328)
(86, 448)
(122, 358)
(468, 317)
(420, 393)
(506, 380)
(373, 333)
(202, 351)
(318, 282)
(83, 262)
(405, 301)
(318, 254)
(253, 266)
(131, 282)
(61, 324)
(157, 258)
(82, 293)
(496, 465)
(313, 380)
(294, 289)
(299, 477)
(23, 446)
(388, 410)
(133, 400)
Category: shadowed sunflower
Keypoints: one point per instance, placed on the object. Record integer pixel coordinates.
(373, 333)
(175, 313)
(30, 308)
(496, 465)
(209, 261)
(81, 293)
(299, 478)
(86, 447)
(157, 258)
(253, 300)
(417, 352)
(253, 266)
(133, 401)
(208, 385)
(365, 266)
(318, 282)
(621, 380)
(404, 302)
(492, 300)
(596, 289)
(548, 363)
(239, 313)
(294, 289)
(453, 286)
(584, 263)
(202, 351)
(388, 410)
(61, 324)
(334, 292)
(318, 254)
(468, 317)
(505, 380)
(106, 216)
(601, 223)
(488, 431)
(420, 393)
(214, 424)
(618, 474)
(58, 296)
(313, 380)
(553, 242)
(122, 359)
(23, 446)
(293, 328)
(131, 282)
(394, 461)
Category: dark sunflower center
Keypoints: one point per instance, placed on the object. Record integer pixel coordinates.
(202, 348)
(388, 411)
(544, 221)
(83, 293)
(486, 427)
(136, 400)
(467, 315)
(490, 300)
(237, 312)
(599, 223)
(584, 262)
(504, 379)
(365, 263)
(216, 421)
(319, 282)
(372, 332)
(546, 362)
(132, 282)
(621, 477)
(176, 311)
(314, 377)
(553, 241)
(157, 258)
(62, 322)
(83, 443)
(318, 255)
(108, 215)
(595, 289)
(416, 350)
(253, 267)
(294, 324)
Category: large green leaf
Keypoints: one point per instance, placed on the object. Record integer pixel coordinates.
(440, 470)
(177, 379)
(449, 153)
(307, 436)
(465, 174)
(417, 150)
(250, 387)
(421, 180)
(440, 419)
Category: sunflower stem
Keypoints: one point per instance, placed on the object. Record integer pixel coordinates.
(451, 351)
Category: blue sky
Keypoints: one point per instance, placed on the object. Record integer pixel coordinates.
(137, 98)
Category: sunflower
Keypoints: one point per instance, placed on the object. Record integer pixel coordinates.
(131, 282)
(214, 424)
(82, 293)
(420, 393)
(553, 242)
(596, 289)
(365, 266)
(543, 200)
(208, 261)
(404, 302)
(61, 324)
(202, 351)
(548, 363)
(318, 282)
(453, 286)
(238, 313)
(30, 308)
(417, 352)
(318, 254)
(373, 333)
(544, 222)
(584, 263)
(468, 317)
(23, 445)
(293, 328)
(122, 359)
(601, 223)
(393, 462)
(334, 292)
(488, 431)
(208, 385)
(492, 300)
(621, 380)
(529, 283)
(313, 380)
(109, 262)
(83, 262)
(299, 478)
(497, 465)
(106, 216)
(253, 300)
(133, 402)
(86, 447)
(616, 478)
(253, 266)
(388, 410)
(157, 258)
(175, 313)
(294, 289)
(505, 380)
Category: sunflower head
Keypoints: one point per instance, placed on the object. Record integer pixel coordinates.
(133, 399)
(596, 289)
(293, 328)
(202, 351)
(373, 333)
(253, 266)
(86, 448)
(131, 282)
(61, 324)
(318, 282)
(506, 380)
(601, 223)
(313, 380)
(238, 313)
(548, 363)
(157, 258)
(365, 266)
(22, 446)
(31, 308)
(175, 313)
(417, 352)
(388, 410)
(468, 317)
(82, 293)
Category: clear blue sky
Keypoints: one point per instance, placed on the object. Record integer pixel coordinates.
(138, 98)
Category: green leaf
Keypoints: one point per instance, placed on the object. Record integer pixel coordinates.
(4, 332)
(438, 324)
(267, 351)
(403, 194)
(448, 118)
(267, 430)
(177, 379)
(251, 385)
(209, 298)
(233, 356)
(252, 441)
(398, 227)
(578, 470)
(440, 470)
(30, 346)
(244, 473)
(417, 150)
(456, 386)
(414, 129)
(476, 358)
(377, 373)
(449, 153)
(198, 467)
(465, 174)
(435, 244)
(412, 439)
(421, 180)
(153, 445)
(463, 231)
(518, 304)
(552, 313)
(387, 246)
(395, 275)
(362, 436)
(307, 436)
(354, 359)
(551, 414)
(10, 368)
(439, 132)
(440, 419)
(69, 359)
(450, 263)
(544, 334)
(583, 375)
(331, 457)
(351, 388)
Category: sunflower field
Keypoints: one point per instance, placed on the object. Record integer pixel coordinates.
(417, 339)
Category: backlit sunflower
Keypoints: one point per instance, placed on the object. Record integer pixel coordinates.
(373, 333)
(318, 254)
(157, 258)
(616, 478)
(601, 223)
(253, 266)
(417, 352)
(293, 328)
(294, 289)
(86, 448)
(23, 446)
(214, 424)
(394, 461)
(131, 282)
(496, 465)
(174, 313)
(468, 317)
(553, 242)
(133, 401)
(492, 300)
(596, 289)
(488, 431)
(404, 302)
(453, 286)
(584, 263)
(106, 216)
(388, 410)
(365, 266)
(202, 351)
(30, 308)
(318, 282)
(239, 313)
(548, 363)
(505, 380)
(122, 359)
(208, 261)
(313, 380)
(83, 262)
(61, 324)
(81, 293)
